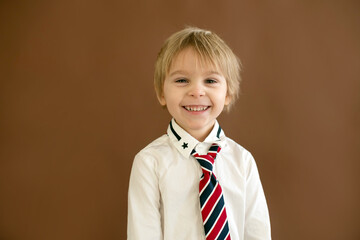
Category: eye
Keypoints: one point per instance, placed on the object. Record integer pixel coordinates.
(181, 80)
(210, 81)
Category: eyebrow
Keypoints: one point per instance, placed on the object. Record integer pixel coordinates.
(184, 73)
(177, 72)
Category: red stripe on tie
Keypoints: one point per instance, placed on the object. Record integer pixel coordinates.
(210, 204)
(213, 155)
(218, 226)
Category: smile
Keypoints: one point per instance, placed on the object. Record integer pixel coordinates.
(196, 108)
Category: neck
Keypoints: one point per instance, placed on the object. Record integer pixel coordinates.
(200, 134)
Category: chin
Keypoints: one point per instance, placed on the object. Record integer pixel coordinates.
(198, 125)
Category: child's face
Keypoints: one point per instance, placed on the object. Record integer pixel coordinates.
(195, 93)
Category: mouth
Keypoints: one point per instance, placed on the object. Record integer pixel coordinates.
(193, 108)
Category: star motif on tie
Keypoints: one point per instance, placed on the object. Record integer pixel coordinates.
(185, 145)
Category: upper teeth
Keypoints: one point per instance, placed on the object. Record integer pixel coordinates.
(195, 109)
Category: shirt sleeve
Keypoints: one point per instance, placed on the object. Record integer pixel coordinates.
(257, 221)
(144, 218)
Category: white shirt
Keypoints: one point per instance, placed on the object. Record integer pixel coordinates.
(163, 200)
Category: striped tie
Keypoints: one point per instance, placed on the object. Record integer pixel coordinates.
(211, 198)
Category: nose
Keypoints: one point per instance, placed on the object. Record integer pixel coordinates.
(196, 90)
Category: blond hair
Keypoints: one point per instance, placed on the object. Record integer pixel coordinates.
(210, 48)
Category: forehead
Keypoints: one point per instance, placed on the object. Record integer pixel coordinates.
(189, 58)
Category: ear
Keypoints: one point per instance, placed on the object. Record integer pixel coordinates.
(162, 100)
(227, 100)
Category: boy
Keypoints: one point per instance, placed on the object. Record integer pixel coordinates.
(194, 182)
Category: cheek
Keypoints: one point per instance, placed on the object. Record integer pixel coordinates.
(223, 97)
(169, 99)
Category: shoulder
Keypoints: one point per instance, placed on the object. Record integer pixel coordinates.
(156, 156)
(155, 149)
(159, 144)
(235, 149)
(240, 158)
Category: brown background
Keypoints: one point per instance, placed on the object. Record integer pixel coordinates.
(77, 104)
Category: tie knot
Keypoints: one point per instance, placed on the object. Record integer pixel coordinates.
(207, 161)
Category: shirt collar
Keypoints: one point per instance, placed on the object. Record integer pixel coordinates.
(185, 143)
